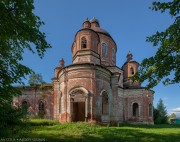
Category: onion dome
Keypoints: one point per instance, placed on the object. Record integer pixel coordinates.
(94, 22)
(95, 26)
(61, 62)
(129, 56)
(86, 23)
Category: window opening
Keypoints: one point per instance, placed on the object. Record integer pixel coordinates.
(104, 49)
(135, 110)
(41, 106)
(132, 70)
(83, 42)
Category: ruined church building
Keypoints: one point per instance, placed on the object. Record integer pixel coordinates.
(93, 88)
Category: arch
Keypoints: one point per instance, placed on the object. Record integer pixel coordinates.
(105, 102)
(103, 91)
(79, 101)
(104, 49)
(83, 42)
(132, 71)
(135, 110)
(24, 106)
(78, 89)
(150, 110)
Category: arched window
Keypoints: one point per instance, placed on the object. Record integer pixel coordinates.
(25, 107)
(105, 109)
(113, 55)
(104, 49)
(150, 110)
(132, 70)
(41, 106)
(83, 42)
(135, 110)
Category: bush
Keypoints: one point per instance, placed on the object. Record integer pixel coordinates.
(10, 118)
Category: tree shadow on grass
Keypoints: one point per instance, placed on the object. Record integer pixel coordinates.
(130, 135)
(99, 134)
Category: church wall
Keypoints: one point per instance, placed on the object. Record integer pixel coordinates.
(93, 79)
(86, 56)
(143, 98)
(55, 100)
(116, 102)
(33, 96)
(74, 79)
(102, 84)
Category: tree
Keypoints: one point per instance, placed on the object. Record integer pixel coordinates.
(166, 61)
(35, 79)
(160, 113)
(171, 116)
(19, 31)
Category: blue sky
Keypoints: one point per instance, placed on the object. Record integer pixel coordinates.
(129, 23)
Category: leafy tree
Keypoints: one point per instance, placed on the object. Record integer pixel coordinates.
(171, 116)
(160, 113)
(19, 31)
(35, 79)
(166, 61)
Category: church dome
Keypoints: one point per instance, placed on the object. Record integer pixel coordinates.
(86, 23)
(95, 26)
(93, 44)
(100, 30)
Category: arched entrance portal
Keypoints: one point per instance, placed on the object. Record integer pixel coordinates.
(79, 104)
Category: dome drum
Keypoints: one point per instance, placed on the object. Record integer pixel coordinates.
(92, 38)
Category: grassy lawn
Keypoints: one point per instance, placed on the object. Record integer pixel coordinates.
(51, 131)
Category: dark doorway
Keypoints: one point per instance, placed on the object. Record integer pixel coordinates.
(78, 111)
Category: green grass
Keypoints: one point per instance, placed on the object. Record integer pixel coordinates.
(51, 131)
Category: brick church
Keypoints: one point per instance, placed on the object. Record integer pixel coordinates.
(92, 88)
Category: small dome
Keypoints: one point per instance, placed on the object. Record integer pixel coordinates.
(86, 23)
(61, 62)
(86, 20)
(129, 56)
(94, 22)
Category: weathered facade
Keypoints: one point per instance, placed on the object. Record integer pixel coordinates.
(36, 101)
(93, 88)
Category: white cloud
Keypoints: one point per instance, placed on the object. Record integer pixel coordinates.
(178, 115)
(176, 109)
